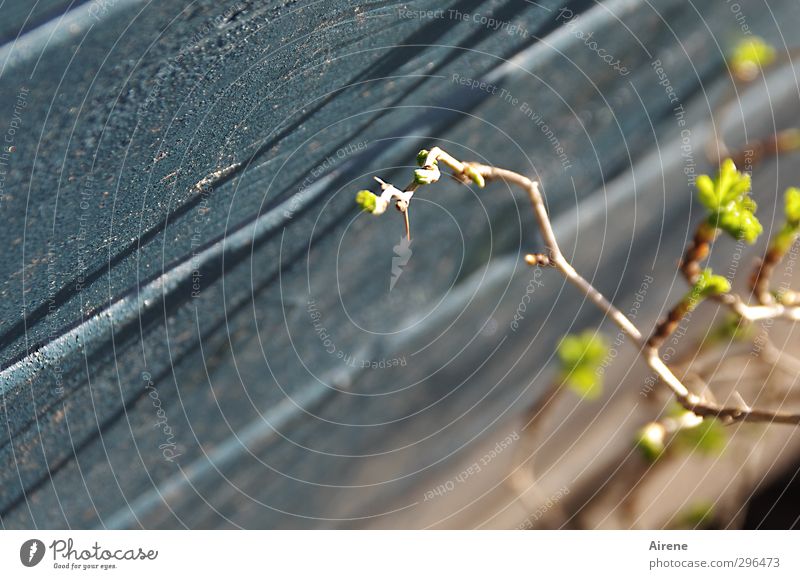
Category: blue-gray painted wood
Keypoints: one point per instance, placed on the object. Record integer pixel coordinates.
(182, 183)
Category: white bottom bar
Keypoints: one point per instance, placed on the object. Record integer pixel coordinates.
(400, 554)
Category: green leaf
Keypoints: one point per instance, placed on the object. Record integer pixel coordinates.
(739, 222)
(706, 191)
(708, 437)
(732, 183)
(581, 356)
(587, 347)
(700, 515)
(792, 206)
(728, 202)
(585, 382)
(785, 238)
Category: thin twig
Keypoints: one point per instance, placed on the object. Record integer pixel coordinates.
(648, 348)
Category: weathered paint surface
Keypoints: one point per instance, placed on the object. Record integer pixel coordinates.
(178, 227)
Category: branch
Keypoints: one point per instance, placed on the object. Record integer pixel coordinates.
(780, 244)
(553, 257)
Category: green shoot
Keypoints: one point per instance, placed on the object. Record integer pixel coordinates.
(708, 284)
(750, 57)
(728, 202)
(581, 356)
(367, 200)
(786, 236)
(651, 441)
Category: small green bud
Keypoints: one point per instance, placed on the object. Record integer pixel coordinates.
(476, 177)
(750, 56)
(740, 222)
(367, 200)
(730, 185)
(792, 206)
(706, 192)
(426, 176)
(707, 285)
(711, 284)
(785, 238)
(651, 441)
(422, 157)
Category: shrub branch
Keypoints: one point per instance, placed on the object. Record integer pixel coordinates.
(704, 284)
